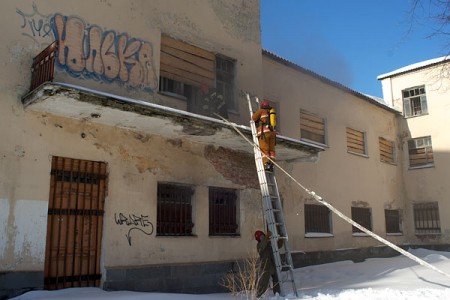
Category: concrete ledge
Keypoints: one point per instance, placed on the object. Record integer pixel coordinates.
(13, 284)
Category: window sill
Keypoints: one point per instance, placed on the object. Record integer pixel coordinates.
(416, 116)
(231, 235)
(173, 95)
(358, 154)
(392, 163)
(360, 234)
(394, 233)
(421, 167)
(315, 143)
(318, 235)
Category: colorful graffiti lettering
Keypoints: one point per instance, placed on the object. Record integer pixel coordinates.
(105, 55)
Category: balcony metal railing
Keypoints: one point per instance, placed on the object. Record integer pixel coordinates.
(42, 69)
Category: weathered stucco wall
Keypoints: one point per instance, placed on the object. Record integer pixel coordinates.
(137, 161)
(427, 184)
(341, 178)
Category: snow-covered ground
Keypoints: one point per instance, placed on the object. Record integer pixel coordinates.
(398, 278)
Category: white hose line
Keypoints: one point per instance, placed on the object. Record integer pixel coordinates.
(349, 220)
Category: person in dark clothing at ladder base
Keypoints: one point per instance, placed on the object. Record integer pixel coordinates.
(268, 268)
(265, 120)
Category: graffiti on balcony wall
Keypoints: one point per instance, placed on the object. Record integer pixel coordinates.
(89, 52)
(36, 25)
(134, 222)
(105, 55)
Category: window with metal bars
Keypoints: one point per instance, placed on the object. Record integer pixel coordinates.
(420, 152)
(426, 218)
(362, 216)
(223, 218)
(317, 219)
(393, 221)
(174, 210)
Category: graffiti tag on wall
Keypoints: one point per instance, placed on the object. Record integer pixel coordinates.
(140, 223)
(89, 52)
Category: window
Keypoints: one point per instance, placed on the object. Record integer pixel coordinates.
(420, 152)
(356, 141)
(317, 219)
(393, 221)
(426, 218)
(222, 211)
(387, 150)
(225, 81)
(414, 102)
(312, 127)
(174, 210)
(363, 217)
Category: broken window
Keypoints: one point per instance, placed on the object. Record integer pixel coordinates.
(414, 102)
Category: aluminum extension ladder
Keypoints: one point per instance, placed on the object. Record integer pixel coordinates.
(273, 213)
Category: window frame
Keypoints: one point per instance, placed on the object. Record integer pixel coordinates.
(426, 209)
(174, 213)
(218, 227)
(354, 137)
(391, 217)
(229, 78)
(411, 95)
(420, 152)
(317, 213)
(311, 124)
(358, 213)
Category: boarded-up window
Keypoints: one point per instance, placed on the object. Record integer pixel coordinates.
(420, 152)
(222, 211)
(317, 219)
(312, 127)
(174, 210)
(187, 63)
(363, 217)
(426, 218)
(356, 141)
(393, 221)
(387, 150)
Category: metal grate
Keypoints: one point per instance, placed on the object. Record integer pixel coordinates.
(222, 211)
(74, 227)
(317, 219)
(363, 217)
(42, 69)
(393, 221)
(426, 218)
(174, 210)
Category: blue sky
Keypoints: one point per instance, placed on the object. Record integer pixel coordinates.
(350, 41)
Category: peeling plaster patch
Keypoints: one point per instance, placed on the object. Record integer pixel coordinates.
(360, 204)
(142, 137)
(175, 142)
(238, 167)
(19, 151)
(4, 212)
(30, 229)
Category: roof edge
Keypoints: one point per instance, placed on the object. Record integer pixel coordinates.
(370, 99)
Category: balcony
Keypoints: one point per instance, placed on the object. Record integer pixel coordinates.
(53, 92)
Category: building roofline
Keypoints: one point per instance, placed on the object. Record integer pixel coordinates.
(370, 99)
(415, 67)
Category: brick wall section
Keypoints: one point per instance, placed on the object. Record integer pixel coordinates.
(238, 167)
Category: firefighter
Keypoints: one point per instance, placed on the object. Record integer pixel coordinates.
(265, 121)
(268, 268)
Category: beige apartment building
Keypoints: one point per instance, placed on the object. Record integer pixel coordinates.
(116, 170)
